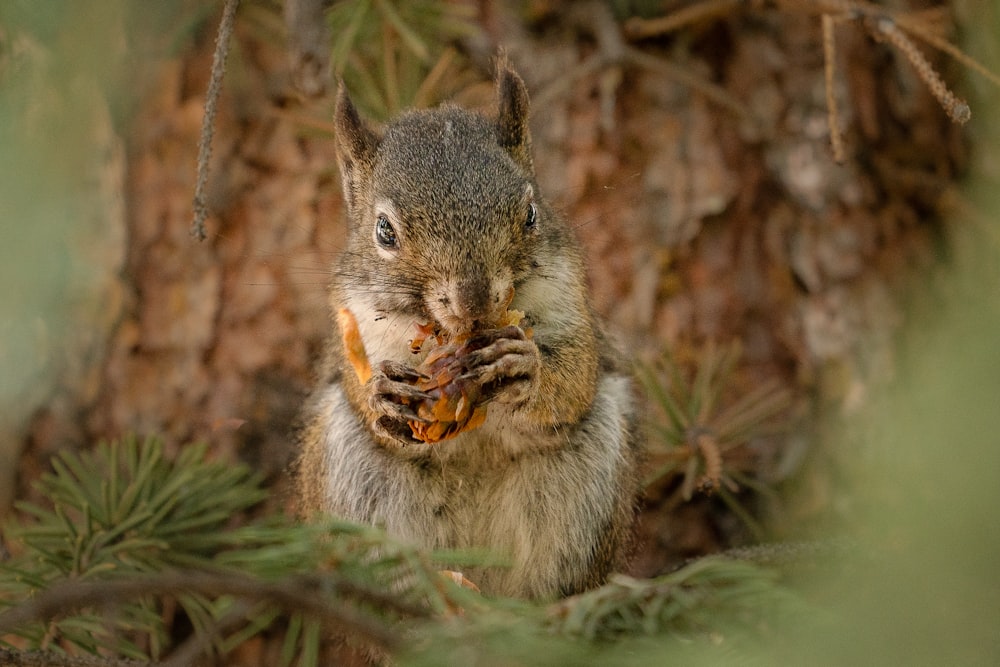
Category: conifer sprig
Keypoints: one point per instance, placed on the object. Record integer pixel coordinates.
(702, 427)
(394, 55)
(125, 530)
(705, 596)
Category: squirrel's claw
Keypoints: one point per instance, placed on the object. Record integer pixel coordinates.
(390, 429)
(394, 391)
(400, 372)
(394, 382)
(486, 338)
(391, 389)
(386, 408)
(506, 367)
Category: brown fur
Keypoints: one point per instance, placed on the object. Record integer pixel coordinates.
(548, 481)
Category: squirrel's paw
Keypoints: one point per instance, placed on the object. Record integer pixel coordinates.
(505, 364)
(392, 387)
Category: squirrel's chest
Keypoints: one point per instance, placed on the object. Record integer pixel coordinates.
(386, 336)
(473, 501)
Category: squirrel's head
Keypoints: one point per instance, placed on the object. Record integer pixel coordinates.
(442, 204)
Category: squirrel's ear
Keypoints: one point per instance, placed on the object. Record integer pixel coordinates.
(356, 145)
(512, 120)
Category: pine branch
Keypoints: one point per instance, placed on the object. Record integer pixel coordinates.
(127, 529)
(9, 658)
(395, 54)
(334, 576)
(704, 596)
(701, 427)
(304, 594)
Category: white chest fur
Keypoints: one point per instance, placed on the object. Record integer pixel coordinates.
(386, 336)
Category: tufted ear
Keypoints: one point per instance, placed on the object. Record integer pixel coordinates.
(512, 117)
(356, 145)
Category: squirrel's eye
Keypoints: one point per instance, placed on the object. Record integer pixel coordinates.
(532, 220)
(385, 234)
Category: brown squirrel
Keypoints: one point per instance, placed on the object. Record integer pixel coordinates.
(446, 224)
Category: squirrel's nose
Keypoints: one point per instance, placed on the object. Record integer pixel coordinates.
(472, 298)
(470, 304)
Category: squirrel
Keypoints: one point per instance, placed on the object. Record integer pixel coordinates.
(446, 225)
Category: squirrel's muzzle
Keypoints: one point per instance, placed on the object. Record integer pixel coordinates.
(471, 304)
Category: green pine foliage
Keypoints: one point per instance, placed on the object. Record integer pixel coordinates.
(394, 55)
(712, 608)
(703, 423)
(138, 556)
(692, 600)
(125, 531)
(125, 509)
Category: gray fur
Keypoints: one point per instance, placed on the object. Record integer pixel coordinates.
(548, 481)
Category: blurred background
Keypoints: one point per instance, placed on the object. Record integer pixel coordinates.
(843, 317)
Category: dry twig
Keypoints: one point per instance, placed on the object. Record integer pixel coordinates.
(883, 23)
(919, 30)
(640, 28)
(712, 92)
(829, 63)
(208, 122)
(957, 109)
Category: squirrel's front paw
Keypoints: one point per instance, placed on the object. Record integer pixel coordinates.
(505, 363)
(392, 388)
